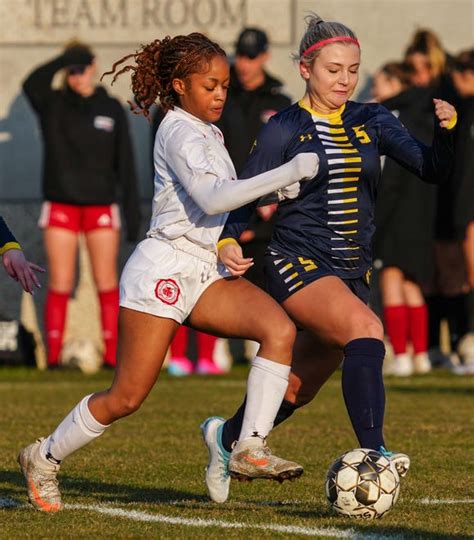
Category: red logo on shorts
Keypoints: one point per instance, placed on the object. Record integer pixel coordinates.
(167, 290)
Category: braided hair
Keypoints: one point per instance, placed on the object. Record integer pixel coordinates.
(161, 61)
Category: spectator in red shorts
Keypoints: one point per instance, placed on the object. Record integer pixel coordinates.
(87, 159)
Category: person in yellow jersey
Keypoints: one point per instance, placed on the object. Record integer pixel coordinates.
(319, 260)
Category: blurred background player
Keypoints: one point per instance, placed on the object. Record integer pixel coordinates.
(14, 261)
(88, 160)
(180, 364)
(404, 238)
(447, 296)
(254, 97)
(462, 215)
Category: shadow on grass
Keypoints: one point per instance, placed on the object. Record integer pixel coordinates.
(14, 486)
(368, 530)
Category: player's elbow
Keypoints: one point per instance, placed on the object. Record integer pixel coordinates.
(213, 207)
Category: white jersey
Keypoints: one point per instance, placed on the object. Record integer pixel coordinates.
(185, 148)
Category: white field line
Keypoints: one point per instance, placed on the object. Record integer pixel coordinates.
(136, 515)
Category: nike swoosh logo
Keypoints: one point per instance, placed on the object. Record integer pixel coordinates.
(258, 462)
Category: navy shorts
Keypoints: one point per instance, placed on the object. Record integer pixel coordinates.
(285, 275)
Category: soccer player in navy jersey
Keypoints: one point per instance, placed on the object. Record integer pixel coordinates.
(14, 261)
(318, 262)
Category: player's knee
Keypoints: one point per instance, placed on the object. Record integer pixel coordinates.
(280, 334)
(366, 326)
(124, 405)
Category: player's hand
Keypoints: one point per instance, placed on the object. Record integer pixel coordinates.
(21, 270)
(288, 192)
(306, 165)
(445, 112)
(231, 256)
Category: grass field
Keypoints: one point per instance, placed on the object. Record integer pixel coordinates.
(144, 477)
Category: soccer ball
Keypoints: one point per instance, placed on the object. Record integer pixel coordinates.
(362, 483)
(81, 353)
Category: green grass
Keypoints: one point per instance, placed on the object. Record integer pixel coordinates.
(153, 461)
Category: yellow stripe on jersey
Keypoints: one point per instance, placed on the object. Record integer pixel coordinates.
(337, 131)
(338, 139)
(329, 116)
(343, 201)
(353, 159)
(285, 268)
(348, 222)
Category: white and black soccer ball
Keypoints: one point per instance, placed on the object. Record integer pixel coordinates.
(81, 353)
(362, 483)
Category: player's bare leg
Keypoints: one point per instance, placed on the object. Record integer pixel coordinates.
(143, 342)
(235, 307)
(357, 331)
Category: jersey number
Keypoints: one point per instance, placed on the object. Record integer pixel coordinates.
(361, 134)
(307, 264)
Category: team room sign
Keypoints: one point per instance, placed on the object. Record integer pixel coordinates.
(131, 21)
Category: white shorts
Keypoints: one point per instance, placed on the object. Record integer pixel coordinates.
(167, 277)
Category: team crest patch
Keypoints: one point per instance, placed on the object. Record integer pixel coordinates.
(167, 290)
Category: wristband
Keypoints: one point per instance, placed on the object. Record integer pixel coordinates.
(8, 246)
(452, 122)
(226, 241)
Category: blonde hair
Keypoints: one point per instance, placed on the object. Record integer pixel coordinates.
(426, 42)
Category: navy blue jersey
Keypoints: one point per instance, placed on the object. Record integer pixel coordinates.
(7, 240)
(332, 219)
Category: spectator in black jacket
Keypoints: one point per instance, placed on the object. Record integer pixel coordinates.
(463, 77)
(404, 238)
(253, 98)
(88, 158)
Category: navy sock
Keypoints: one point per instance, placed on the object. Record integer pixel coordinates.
(232, 426)
(363, 389)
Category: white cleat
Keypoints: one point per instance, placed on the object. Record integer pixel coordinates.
(251, 458)
(41, 481)
(217, 470)
(401, 365)
(401, 461)
(421, 363)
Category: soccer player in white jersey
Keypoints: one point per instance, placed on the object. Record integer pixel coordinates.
(173, 275)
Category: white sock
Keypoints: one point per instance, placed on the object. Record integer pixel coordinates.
(266, 387)
(75, 431)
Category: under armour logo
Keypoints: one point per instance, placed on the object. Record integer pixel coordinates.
(307, 137)
(205, 275)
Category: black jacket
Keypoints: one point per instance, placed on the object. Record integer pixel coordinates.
(456, 199)
(88, 155)
(246, 112)
(406, 206)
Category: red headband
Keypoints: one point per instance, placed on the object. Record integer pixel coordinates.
(323, 42)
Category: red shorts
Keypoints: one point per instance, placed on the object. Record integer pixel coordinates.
(79, 218)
